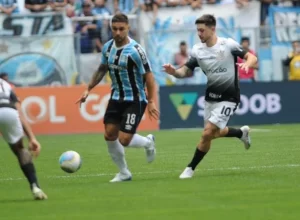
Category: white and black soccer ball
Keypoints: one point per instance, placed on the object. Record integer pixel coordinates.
(70, 161)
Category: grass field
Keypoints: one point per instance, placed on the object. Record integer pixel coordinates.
(231, 183)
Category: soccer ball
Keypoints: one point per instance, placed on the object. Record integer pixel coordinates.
(70, 161)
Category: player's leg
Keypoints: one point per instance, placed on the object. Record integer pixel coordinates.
(27, 167)
(112, 121)
(12, 131)
(202, 148)
(225, 110)
(128, 136)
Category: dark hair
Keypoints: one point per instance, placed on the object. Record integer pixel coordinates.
(182, 43)
(2, 75)
(207, 19)
(296, 41)
(245, 39)
(120, 18)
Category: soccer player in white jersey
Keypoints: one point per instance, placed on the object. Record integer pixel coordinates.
(12, 127)
(217, 57)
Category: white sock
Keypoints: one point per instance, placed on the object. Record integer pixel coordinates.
(139, 141)
(117, 153)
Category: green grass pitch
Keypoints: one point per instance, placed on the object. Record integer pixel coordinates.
(230, 183)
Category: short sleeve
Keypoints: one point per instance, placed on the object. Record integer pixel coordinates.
(13, 97)
(104, 51)
(192, 63)
(236, 48)
(141, 60)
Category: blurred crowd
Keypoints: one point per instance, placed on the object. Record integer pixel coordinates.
(94, 33)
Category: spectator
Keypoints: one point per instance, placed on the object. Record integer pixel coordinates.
(36, 5)
(125, 6)
(293, 61)
(264, 10)
(88, 30)
(196, 4)
(241, 3)
(296, 3)
(176, 2)
(151, 5)
(4, 76)
(182, 56)
(8, 7)
(100, 8)
(73, 8)
(57, 5)
(103, 28)
(243, 75)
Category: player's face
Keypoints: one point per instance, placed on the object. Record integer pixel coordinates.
(205, 32)
(120, 31)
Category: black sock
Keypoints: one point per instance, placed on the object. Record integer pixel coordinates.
(233, 132)
(198, 156)
(29, 172)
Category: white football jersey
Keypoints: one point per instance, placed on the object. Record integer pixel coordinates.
(7, 95)
(219, 64)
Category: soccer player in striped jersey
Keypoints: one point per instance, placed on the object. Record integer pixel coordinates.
(129, 70)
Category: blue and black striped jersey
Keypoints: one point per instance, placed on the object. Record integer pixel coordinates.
(127, 66)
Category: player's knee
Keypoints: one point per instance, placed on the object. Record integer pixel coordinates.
(125, 140)
(23, 155)
(110, 137)
(207, 135)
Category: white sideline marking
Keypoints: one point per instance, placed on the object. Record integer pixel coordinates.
(162, 172)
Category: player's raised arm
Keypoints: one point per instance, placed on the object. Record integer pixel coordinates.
(184, 71)
(237, 50)
(251, 60)
(181, 72)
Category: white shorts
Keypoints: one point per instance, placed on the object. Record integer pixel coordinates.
(10, 125)
(219, 113)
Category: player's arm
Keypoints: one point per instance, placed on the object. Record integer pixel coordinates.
(184, 71)
(237, 50)
(251, 60)
(151, 86)
(139, 57)
(98, 76)
(25, 124)
(34, 145)
(181, 72)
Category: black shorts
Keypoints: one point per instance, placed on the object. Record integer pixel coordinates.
(127, 114)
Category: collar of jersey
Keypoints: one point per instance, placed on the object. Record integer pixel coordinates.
(118, 48)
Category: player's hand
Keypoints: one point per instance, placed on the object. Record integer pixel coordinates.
(34, 147)
(82, 98)
(153, 111)
(168, 68)
(244, 66)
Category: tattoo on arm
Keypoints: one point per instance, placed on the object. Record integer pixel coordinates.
(188, 72)
(98, 76)
(183, 72)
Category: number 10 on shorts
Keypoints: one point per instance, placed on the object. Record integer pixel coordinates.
(226, 111)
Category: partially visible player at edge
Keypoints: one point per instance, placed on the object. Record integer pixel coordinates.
(129, 70)
(217, 57)
(12, 127)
